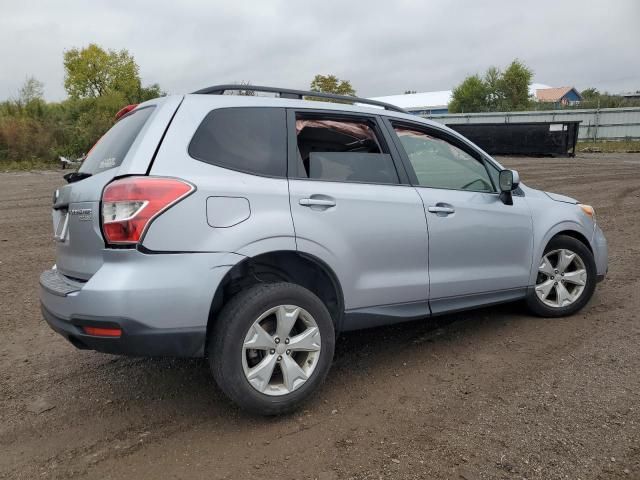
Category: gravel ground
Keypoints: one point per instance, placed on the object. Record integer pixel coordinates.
(491, 393)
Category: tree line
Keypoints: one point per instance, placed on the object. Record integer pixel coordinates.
(100, 82)
(508, 90)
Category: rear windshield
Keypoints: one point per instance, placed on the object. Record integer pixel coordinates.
(114, 145)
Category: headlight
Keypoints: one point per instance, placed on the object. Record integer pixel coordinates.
(588, 209)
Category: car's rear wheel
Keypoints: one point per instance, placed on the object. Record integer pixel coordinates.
(271, 347)
(566, 278)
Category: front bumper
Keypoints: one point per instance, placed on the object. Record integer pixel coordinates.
(161, 302)
(600, 253)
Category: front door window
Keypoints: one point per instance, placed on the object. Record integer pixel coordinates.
(440, 164)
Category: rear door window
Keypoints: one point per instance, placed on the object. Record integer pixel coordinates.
(110, 150)
(342, 150)
(248, 139)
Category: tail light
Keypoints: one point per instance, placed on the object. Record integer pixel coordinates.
(130, 204)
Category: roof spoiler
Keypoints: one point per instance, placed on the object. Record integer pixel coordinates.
(124, 110)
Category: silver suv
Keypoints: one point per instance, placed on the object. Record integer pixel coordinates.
(253, 229)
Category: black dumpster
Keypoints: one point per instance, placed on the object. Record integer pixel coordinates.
(532, 138)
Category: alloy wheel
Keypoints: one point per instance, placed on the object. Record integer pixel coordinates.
(281, 350)
(562, 278)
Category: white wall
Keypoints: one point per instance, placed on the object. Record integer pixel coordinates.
(603, 124)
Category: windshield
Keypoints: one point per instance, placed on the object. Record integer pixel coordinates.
(111, 149)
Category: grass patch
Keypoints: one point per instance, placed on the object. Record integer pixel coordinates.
(612, 146)
(26, 165)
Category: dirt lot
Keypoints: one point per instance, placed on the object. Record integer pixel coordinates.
(492, 393)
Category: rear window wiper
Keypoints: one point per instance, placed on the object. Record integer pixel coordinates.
(76, 176)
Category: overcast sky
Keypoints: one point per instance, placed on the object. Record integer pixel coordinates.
(383, 47)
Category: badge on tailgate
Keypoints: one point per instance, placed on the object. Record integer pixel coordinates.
(84, 214)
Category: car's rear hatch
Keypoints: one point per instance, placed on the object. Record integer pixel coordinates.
(126, 149)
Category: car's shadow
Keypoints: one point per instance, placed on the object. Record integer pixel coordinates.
(185, 387)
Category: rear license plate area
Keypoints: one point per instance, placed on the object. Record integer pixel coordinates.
(60, 231)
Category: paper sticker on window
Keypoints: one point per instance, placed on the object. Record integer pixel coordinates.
(107, 163)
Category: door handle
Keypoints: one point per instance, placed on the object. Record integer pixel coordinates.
(317, 202)
(443, 209)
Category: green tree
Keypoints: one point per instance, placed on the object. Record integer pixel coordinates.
(496, 91)
(32, 90)
(469, 96)
(495, 95)
(514, 86)
(149, 92)
(590, 94)
(332, 84)
(94, 72)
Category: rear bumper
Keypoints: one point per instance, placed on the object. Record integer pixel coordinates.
(137, 339)
(160, 301)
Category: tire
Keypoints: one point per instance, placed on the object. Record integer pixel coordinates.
(584, 261)
(230, 358)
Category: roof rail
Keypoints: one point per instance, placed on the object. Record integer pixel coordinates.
(297, 94)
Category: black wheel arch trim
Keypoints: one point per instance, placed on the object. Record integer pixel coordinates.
(217, 299)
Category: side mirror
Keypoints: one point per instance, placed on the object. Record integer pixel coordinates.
(509, 181)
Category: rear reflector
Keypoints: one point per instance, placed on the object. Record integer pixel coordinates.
(130, 204)
(102, 332)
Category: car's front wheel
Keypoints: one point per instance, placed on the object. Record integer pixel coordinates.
(271, 347)
(566, 278)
